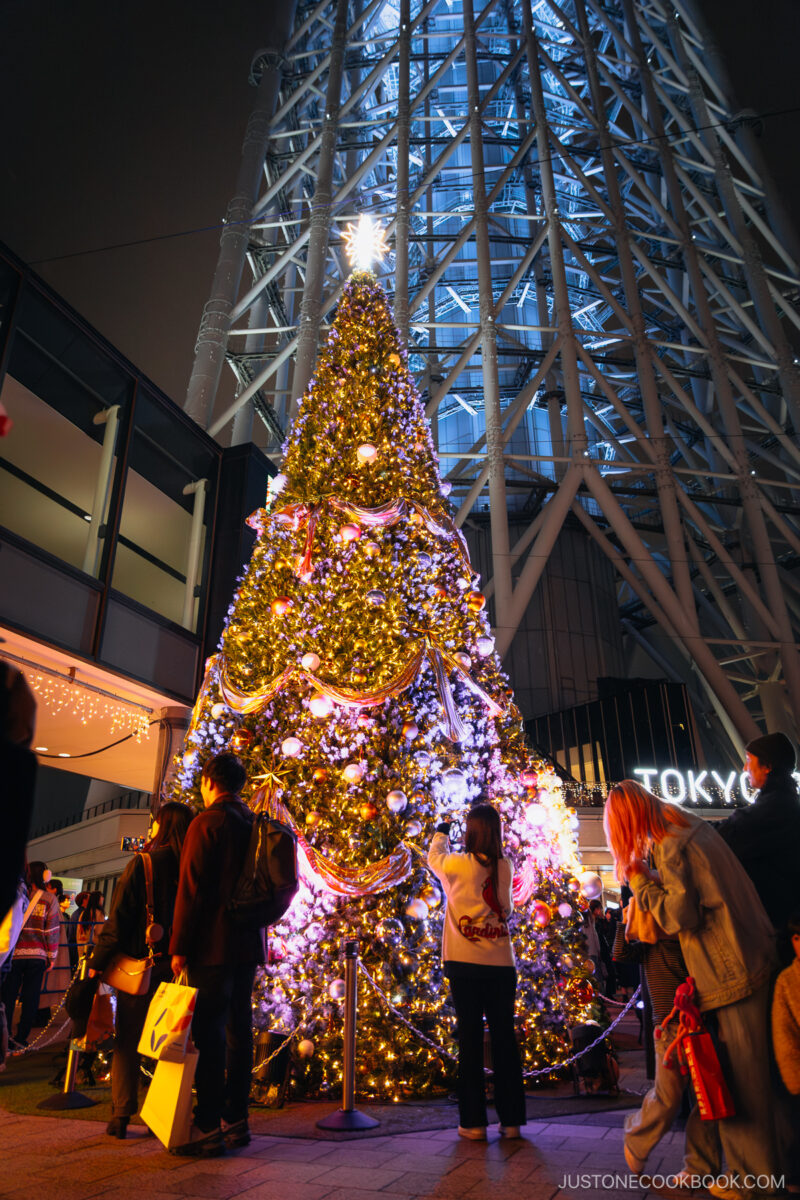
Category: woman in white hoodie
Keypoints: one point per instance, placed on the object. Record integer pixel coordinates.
(479, 964)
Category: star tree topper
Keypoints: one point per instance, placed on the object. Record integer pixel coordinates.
(366, 243)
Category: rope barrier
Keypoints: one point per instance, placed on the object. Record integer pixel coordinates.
(558, 1066)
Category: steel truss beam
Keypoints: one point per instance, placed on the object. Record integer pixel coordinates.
(597, 303)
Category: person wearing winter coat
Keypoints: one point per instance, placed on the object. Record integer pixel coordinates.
(765, 836)
(664, 970)
(34, 953)
(479, 963)
(700, 891)
(124, 933)
(786, 1045)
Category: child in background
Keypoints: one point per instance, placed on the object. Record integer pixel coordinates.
(786, 1042)
(640, 940)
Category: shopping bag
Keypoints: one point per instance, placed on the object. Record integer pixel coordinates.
(167, 1108)
(714, 1101)
(693, 1052)
(100, 1025)
(168, 1022)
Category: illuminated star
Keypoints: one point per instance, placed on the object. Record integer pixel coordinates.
(366, 243)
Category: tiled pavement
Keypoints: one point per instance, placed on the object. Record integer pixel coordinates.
(561, 1159)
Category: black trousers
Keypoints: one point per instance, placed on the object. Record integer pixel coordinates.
(222, 1028)
(24, 980)
(490, 995)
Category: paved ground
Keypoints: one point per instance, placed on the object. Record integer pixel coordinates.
(563, 1158)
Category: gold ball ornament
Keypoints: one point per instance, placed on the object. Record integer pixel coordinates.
(320, 774)
(431, 897)
(394, 361)
(280, 605)
(372, 549)
(312, 819)
(476, 601)
(368, 811)
(410, 731)
(241, 739)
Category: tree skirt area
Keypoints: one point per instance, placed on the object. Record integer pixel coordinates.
(27, 1081)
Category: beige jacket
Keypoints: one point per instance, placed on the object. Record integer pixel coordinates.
(704, 894)
(786, 1026)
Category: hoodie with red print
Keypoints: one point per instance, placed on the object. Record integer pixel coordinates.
(476, 920)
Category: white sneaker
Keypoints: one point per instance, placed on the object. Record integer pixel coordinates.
(475, 1134)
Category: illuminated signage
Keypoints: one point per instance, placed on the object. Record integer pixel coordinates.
(698, 787)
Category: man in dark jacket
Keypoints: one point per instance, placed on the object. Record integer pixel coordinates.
(219, 956)
(765, 836)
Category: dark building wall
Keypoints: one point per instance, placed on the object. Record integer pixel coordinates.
(570, 635)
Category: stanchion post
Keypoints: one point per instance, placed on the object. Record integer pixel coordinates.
(68, 1097)
(348, 1117)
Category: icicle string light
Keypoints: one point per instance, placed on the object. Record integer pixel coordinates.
(91, 705)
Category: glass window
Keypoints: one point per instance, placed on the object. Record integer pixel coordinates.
(67, 399)
(162, 550)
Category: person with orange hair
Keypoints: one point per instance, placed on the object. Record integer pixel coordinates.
(698, 889)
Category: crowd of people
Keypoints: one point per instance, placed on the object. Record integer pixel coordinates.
(716, 904)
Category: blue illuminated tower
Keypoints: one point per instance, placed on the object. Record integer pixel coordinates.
(598, 294)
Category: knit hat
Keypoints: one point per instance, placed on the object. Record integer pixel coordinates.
(774, 750)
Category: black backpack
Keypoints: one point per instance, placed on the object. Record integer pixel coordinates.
(268, 882)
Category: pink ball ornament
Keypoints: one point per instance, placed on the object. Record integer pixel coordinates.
(354, 772)
(217, 711)
(565, 910)
(463, 659)
(310, 662)
(591, 885)
(350, 533)
(305, 1049)
(291, 747)
(485, 646)
(541, 914)
(320, 705)
(528, 778)
(366, 453)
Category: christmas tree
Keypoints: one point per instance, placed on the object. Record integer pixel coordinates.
(357, 679)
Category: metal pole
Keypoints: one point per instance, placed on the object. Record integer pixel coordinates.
(96, 534)
(198, 489)
(320, 222)
(68, 1097)
(348, 1116)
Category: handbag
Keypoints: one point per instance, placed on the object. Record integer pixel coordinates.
(167, 1107)
(696, 1055)
(641, 925)
(168, 1021)
(132, 975)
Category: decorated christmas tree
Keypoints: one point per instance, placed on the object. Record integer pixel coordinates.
(357, 679)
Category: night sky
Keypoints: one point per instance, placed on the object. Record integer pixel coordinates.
(123, 121)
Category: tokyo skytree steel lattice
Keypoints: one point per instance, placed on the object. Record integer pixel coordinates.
(598, 293)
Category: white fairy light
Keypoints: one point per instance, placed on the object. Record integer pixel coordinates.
(366, 243)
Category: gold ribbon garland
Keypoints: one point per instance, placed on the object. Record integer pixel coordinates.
(441, 662)
(343, 881)
(306, 516)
